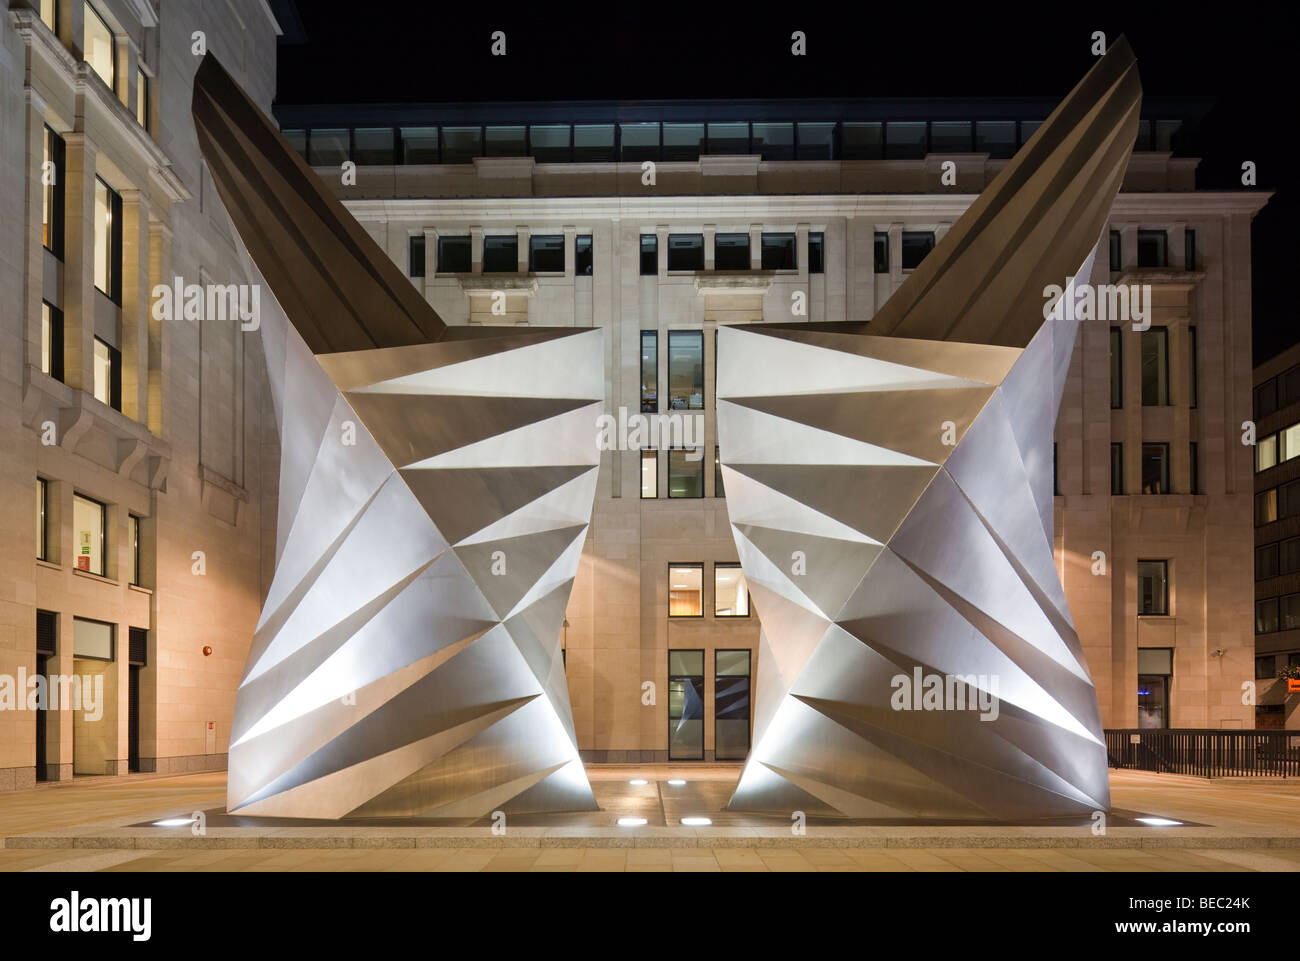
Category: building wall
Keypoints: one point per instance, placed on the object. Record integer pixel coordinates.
(187, 451)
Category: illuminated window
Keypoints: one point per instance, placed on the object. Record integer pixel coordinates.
(108, 375)
(142, 98)
(50, 15)
(133, 545)
(686, 472)
(649, 474)
(108, 241)
(51, 340)
(685, 590)
(90, 533)
(99, 47)
(52, 194)
(686, 370)
(649, 372)
(730, 591)
(42, 519)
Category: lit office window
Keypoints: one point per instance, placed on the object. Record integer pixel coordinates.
(686, 370)
(330, 146)
(731, 705)
(1266, 615)
(99, 47)
(460, 145)
(582, 257)
(730, 252)
(649, 255)
(372, 146)
(864, 141)
(1266, 507)
(729, 138)
(649, 372)
(686, 590)
(685, 252)
(686, 472)
(1116, 251)
(1116, 368)
(730, 591)
(1155, 668)
(649, 474)
(454, 255)
(916, 244)
(501, 254)
(816, 253)
(683, 141)
(1266, 562)
(1153, 587)
(51, 340)
(419, 145)
(882, 252)
(815, 141)
(108, 241)
(593, 142)
(1155, 367)
(638, 141)
(773, 141)
(52, 193)
(1155, 469)
(1193, 381)
(717, 473)
(108, 375)
(546, 254)
(686, 705)
(142, 98)
(1117, 468)
(133, 546)
(91, 534)
(415, 255)
(50, 15)
(1153, 248)
(42, 520)
(1266, 452)
(778, 252)
(505, 142)
(1288, 446)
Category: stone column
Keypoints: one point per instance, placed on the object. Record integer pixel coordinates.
(78, 259)
(136, 304)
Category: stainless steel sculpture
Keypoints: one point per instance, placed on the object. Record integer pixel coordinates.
(436, 487)
(890, 492)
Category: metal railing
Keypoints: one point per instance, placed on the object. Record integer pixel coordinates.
(1206, 753)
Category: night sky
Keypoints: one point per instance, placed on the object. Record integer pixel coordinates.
(1242, 59)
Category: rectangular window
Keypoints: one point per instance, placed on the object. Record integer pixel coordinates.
(99, 47)
(730, 591)
(549, 143)
(1155, 367)
(1266, 562)
(501, 254)
(1288, 444)
(108, 241)
(454, 255)
(717, 473)
(419, 145)
(108, 375)
(297, 139)
(997, 138)
(51, 340)
(1189, 249)
(1027, 130)
(1266, 398)
(649, 474)
(882, 252)
(1116, 252)
(649, 371)
(1288, 615)
(686, 472)
(1155, 667)
(1288, 387)
(92, 639)
(685, 251)
(133, 546)
(730, 252)
(50, 15)
(546, 254)
(817, 253)
(1266, 616)
(686, 370)
(329, 146)
(950, 136)
(593, 142)
(415, 255)
(142, 98)
(685, 590)
(649, 255)
(1265, 666)
(1194, 461)
(42, 519)
(682, 141)
(1117, 468)
(372, 146)
(1266, 452)
(582, 256)
(686, 705)
(815, 141)
(1289, 556)
(460, 145)
(1155, 469)
(779, 252)
(1193, 382)
(1266, 507)
(905, 141)
(916, 244)
(1116, 368)
(505, 142)
(1153, 587)
(728, 138)
(864, 141)
(773, 141)
(1288, 499)
(638, 141)
(89, 524)
(1153, 248)
(52, 194)
(731, 705)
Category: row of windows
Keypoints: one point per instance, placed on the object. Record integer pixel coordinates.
(1277, 614)
(1153, 249)
(1282, 557)
(90, 533)
(731, 704)
(1153, 345)
(99, 49)
(685, 473)
(638, 142)
(1277, 503)
(1277, 392)
(1155, 469)
(686, 590)
(106, 371)
(1278, 447)
(1268, 665)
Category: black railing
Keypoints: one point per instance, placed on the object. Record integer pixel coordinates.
(1210, 753)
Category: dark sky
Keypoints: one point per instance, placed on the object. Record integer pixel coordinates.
(1242, 58)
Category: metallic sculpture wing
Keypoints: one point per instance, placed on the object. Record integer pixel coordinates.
(890, 494)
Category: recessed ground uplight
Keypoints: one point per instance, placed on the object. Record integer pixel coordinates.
(676, 782)
(174, 823)
(697, 822)
(1160, 822)
(631, 822)
(638, 782)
